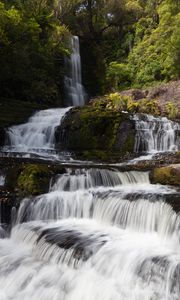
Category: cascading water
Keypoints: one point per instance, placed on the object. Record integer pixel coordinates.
(73, 83)
(87, 240)
(37, 135)
(156, 134)
(98, 233)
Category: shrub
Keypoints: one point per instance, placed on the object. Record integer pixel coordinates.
(119, 102)
(118, 75)
(171, 110)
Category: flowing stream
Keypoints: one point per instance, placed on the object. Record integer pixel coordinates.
(98, 234)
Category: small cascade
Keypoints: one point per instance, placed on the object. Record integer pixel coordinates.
(73, 83)
(95, 193)
(156, 134)
(80, 179)
(38, 133)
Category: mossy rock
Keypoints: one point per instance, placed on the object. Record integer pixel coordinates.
(169, 175)
(95, 129)
(34, 180)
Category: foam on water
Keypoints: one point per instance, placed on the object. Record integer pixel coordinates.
(156, 134)
(94, 243)
(102, 262)
(37, 135)
(84, 193)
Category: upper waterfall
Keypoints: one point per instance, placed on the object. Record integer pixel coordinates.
(73, 82)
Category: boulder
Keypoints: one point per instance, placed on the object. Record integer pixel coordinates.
(96, 131)
(169, 175)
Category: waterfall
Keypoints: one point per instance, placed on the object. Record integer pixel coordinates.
(73, 82)
(95, 193)
(37, 134)
(87, 239)
(156, 134)
(84, 179)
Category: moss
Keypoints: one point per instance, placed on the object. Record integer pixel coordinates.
(178, 154)
(129, 145)
(167, 175)
(171, 110)
(96, 131)
(33, 180)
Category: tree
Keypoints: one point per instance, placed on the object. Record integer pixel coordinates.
(33, 44)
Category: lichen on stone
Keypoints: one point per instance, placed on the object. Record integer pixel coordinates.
(169, 175)
(33, 180)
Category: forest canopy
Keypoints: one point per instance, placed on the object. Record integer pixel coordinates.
(124, 44)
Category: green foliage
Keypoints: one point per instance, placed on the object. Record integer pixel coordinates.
(156, 52)
(133, 106)
(148, 107)
(120, 102)
(127, 43)
(33, 43)
(170, 110)
(33, 180)
(118, 75)
(143, 46)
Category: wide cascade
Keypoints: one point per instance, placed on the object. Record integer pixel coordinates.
(97, 234)
(73, 82)
(37, 135)
(156, 134)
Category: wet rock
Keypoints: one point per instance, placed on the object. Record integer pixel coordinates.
(2, 136)
(33, 180)
(169, 175)
(8, 199)
(163, 94)
(96, 131)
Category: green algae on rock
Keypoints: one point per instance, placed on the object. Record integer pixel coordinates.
(33, 180)
(96, 131)
(169, 175)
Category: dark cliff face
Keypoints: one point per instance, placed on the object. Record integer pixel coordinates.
(96, 132)
(2, 136)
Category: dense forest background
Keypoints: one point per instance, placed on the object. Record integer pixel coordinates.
(124, 44)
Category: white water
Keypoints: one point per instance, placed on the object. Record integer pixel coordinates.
(37, 135)
(156, 134)
(87, 240)
(86, 179)
(73, 82)
(98, 234)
